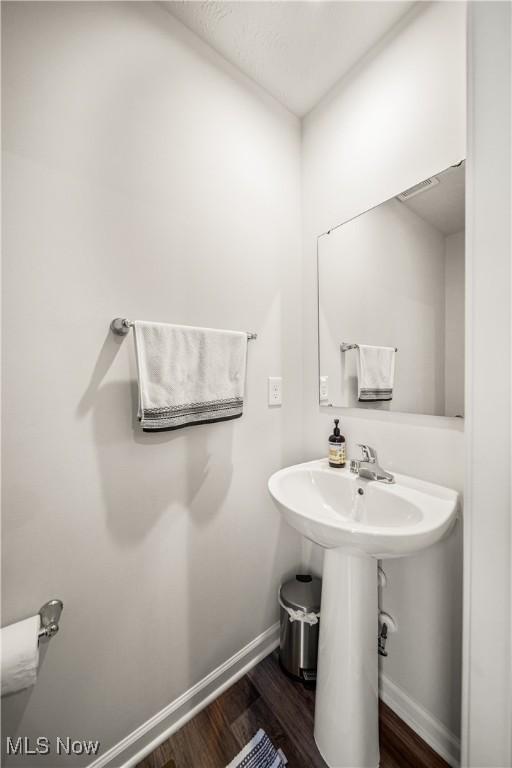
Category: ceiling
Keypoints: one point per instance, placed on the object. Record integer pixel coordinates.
(296, 51)
(443, 206)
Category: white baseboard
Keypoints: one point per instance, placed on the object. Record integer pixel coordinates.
(422, 722)
(147, 737)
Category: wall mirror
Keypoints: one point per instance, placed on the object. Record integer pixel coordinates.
(393, 278)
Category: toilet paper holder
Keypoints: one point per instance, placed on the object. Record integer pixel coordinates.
(50, 615)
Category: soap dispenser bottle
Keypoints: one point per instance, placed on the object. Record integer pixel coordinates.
(337, 447)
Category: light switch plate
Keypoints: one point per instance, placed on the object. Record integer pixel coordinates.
(275, 390)
(324, 389)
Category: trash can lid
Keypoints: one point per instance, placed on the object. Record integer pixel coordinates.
(302, 593)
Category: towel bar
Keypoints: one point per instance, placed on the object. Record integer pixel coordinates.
(121, 326)
(345, 347)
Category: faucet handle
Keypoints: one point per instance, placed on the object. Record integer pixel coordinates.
(369, 453)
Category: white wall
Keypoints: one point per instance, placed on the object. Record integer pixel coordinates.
(144, 177)
(487, 699)
(454, 313)
(381, 281)
(397, 118)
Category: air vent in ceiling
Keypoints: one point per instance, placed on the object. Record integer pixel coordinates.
(421, 187)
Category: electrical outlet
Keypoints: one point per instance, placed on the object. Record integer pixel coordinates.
(324, 389)
(275, 393)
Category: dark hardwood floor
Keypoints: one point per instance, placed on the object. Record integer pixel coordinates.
(266, 698)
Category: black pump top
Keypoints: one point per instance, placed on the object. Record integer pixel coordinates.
(336, 428)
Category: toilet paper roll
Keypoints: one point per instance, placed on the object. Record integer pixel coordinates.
(20, 654)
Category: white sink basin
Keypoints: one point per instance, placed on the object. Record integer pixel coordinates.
(336, 508)
(357, 521)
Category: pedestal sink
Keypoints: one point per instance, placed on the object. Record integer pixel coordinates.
(358, 521)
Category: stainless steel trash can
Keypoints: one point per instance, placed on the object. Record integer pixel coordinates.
(299, 599)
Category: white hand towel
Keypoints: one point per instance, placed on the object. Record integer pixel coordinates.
(375, 373)
(20, 654)
(188, 375)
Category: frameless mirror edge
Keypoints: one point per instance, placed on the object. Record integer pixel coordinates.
(433, 419)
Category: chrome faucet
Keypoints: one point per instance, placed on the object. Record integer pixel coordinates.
(368, 466)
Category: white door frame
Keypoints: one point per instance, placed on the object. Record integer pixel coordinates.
(487, 651)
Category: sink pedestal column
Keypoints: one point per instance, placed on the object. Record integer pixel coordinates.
(347, 694)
